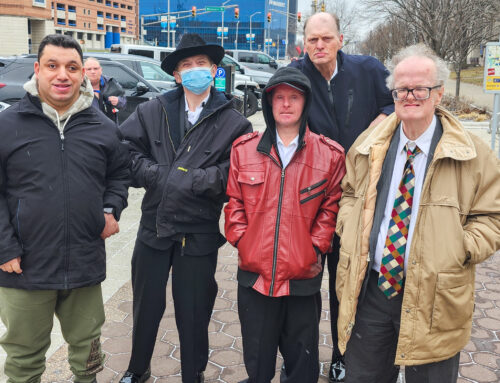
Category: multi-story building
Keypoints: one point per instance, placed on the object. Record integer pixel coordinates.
(253, 18)
(96, 24)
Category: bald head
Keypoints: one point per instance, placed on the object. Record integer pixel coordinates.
(322, 18)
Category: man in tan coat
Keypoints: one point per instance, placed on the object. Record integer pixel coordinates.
(421, 207)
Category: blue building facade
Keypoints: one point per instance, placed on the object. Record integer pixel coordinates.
(206, 23)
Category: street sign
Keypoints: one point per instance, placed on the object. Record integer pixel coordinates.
(492, 68)
(220, 79)
(214, 9)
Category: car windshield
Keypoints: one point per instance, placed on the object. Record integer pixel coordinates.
(152, 71)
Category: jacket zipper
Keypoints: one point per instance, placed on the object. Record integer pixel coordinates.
(277, 232)
(313, 186)
(66, 212)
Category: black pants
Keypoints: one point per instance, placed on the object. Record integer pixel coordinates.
(194, 290)
(333, 261)
(372, 347)
(288, 323)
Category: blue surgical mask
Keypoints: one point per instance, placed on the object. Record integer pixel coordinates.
(196, 80)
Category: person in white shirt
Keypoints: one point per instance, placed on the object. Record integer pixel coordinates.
(420, 208)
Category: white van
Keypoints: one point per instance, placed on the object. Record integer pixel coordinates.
(154, 52)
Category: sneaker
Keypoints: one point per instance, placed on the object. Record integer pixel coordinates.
(130, 377)
(337, 370)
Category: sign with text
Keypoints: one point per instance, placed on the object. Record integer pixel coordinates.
(220, 79)
(491, 81)
(214, 9)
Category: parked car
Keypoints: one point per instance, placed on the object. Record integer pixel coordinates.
(16, 70)
(254, 60)
(148, 68)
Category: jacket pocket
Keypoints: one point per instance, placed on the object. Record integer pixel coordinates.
(453, 300)
(251, 186)
(313, 186)
(315, 193)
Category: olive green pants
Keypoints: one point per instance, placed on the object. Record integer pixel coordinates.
(28, 316)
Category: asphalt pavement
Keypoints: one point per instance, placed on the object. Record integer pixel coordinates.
(479, 362)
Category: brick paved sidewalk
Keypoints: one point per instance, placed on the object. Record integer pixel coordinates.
(480, 361)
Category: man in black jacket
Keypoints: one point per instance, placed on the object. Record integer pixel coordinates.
(180, 145)
(63, 185)
(349, 94)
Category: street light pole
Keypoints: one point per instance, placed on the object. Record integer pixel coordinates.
(252, 15)
(236, 41)
(223, 11)
(286, 32)
(168, 22)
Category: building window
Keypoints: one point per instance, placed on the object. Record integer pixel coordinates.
(100, 26)
(85, 25)
(123, 30)
(108, 15)
(115, 16)
(79, 36)
(123, 18)
(88, 11)
(61, 7)
(71, 8)
(108, 3)
(39, 3)
(97, 37)
(116, 5)
(72, 23)
(99, 13)
(123, 6)
(61, 21)
(89, 36)
(99, 1)
(90, 25)
(129, 7)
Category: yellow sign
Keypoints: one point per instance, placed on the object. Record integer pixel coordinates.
(492, 68)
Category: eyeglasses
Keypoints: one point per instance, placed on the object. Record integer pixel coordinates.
(419, 93)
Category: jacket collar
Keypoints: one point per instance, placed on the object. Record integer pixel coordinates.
(455, 142)
(340, 64)
(217, 100)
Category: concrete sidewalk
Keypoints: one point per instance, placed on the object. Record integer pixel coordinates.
(480, 360)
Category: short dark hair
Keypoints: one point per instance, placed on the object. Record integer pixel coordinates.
(59, 40)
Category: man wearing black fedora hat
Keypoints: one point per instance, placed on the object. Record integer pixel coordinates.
(180, 146)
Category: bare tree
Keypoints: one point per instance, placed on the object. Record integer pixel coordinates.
(452, 28)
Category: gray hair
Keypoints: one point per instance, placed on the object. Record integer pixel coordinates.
(418, 50)
(331, 14)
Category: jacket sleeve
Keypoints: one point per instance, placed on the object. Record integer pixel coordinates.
(142, 165)
(236, 221)
(10, 247)
(385, 102)
(482, 227)
(348, 193)
(324, 224)
(212, 181)
(117, 177)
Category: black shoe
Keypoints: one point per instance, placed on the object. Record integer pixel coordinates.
(130, 377)
(337, 370)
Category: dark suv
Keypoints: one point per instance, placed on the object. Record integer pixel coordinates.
(16, 70)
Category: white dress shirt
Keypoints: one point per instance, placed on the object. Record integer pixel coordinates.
(286, 152)
(419, 163)
(193, 116)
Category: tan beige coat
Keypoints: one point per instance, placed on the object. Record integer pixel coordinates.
(458, 226)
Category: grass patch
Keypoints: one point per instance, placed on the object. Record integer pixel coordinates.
(472, 75)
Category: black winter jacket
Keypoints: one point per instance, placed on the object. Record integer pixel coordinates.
(52, 194)
(359, 96)
(185, 187)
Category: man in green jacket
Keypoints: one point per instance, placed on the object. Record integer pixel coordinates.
(421, 207)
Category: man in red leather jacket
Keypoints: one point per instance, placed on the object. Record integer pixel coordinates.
(283, 188)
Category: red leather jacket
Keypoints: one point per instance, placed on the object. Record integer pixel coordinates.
(277, 217)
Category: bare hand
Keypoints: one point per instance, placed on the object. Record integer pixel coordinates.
(315, 268)
(14, 265)
(111, 227)
(113, 100)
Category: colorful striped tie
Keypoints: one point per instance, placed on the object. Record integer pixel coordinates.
(391, 274)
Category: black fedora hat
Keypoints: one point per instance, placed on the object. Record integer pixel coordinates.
(191, 44)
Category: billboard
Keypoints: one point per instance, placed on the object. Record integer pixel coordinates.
(491, 81)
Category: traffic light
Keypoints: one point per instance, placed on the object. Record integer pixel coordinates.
(268, 17)
(236, 13)
(299, 16)
(323, 6)
(193, 11)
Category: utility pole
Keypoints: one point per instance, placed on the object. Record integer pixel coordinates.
(168, 22)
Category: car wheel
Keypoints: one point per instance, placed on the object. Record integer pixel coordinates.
(252, 103)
